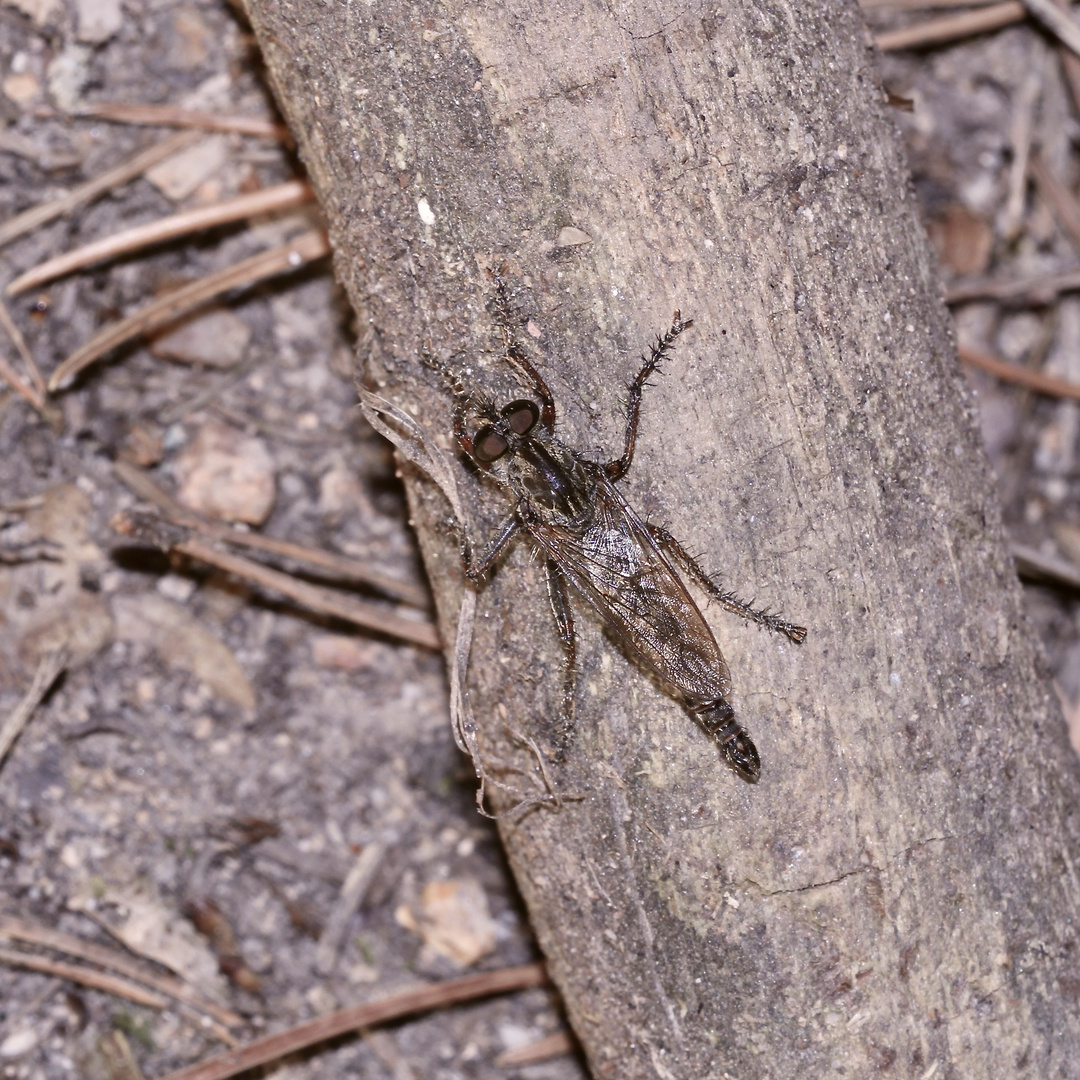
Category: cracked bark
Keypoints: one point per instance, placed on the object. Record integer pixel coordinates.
(814, 441)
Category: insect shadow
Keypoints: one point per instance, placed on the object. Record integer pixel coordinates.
(628, 570)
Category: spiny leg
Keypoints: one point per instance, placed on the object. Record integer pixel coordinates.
(515, 354)
(618, 468)
(564, 619)
(465, 401)
(727, 600)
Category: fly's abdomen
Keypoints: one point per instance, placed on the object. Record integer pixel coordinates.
(718, 719)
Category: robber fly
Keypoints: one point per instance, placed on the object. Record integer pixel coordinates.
(627, 569)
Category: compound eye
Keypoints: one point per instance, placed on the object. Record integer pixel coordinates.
(489, 446)
(521, 416)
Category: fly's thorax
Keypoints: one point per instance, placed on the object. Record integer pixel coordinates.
(553, 482)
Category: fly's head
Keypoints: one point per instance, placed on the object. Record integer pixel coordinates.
(495, 437)
(490, 436)
(486, 433)
(516, 447)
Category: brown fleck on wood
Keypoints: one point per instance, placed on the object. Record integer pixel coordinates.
(899, 892)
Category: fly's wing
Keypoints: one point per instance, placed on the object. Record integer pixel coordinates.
(616, 565)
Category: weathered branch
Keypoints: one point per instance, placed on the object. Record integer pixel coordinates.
(899, 890)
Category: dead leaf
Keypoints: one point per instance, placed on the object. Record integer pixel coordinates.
(151, 929)
(963, 240)
(144, 445)
(63, 518)
(453, 919)
(44, 605)
(347, 653)
(212, 923)
(182, 642)
(22, 89)
(82, 626)
(572, 237)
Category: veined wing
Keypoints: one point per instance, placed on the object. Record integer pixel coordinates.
(617, 566)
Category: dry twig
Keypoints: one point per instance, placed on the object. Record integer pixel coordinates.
(49, 666)
(170, 116)
(23, 349)
(37, 216)
(49, 938)
(355, 1017)
(952, 27)
(33, 391)
(21, 387)
(347, 569)
(371, 617)
(1033, 380)
(420, 632)
(921, 5)
(13, 142)
(1070, 64)
(304, 249)
(384, 1046)
(555, 1045)
(1058, 22)
(1060, 198)
(282, 197)
(116, 1057)
(1021, 127)
(1035, 565)
(1036, 291)
(352, 894)
(98, 980)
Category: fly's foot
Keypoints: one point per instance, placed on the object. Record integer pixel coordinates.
(450, 527)
(778, 625)
(468, 563)
(718, 719)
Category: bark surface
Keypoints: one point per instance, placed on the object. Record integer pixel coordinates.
(899, 893)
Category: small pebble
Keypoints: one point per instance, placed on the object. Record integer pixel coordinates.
(226, 474)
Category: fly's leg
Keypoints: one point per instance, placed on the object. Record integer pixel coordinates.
(515, 354)
(616, 469)
(564, 619)
(718, 719)
(475, 570)
(728, 600)
(465, 401)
